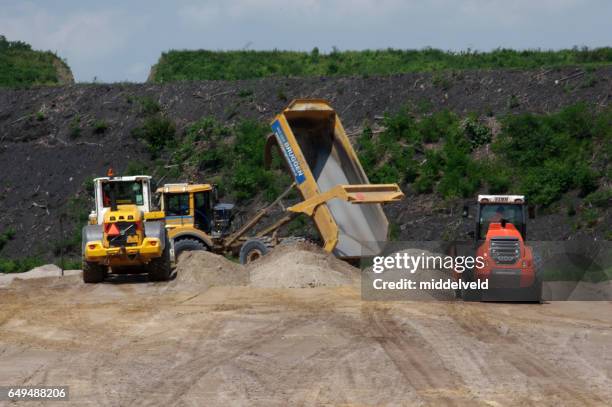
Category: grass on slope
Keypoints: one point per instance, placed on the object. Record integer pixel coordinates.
(20, 65)
(183, 65)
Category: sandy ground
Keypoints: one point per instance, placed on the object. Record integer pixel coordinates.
(192, 342)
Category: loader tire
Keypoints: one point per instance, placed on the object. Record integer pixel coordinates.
(252, 250)
(94, 273)
(160, 269)
(186, 245)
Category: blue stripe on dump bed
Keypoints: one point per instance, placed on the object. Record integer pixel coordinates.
(288, 152)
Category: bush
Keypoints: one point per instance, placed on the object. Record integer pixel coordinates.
(435, 127)
(600, 199)
(551, 154)
(9, 234)
(19, 265)
(476, 133)
(157, 132)
(74, 128)
(100, 127)
(148, 106)
(461, 175)
(136, 168)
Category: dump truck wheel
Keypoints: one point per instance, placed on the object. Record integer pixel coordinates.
(252, 250)
(160, 268)
(187, 245)
(93, 272)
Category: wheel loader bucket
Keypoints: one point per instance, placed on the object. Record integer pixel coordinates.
(345, 207)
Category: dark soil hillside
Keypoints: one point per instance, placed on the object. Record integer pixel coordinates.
(53, 139)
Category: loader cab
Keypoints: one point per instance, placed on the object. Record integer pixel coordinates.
(500, 209)
(195, 206)
(127, 190)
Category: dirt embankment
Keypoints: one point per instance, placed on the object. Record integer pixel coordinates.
(210, 338)
(46, 159)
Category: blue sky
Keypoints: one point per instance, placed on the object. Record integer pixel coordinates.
(116, 40)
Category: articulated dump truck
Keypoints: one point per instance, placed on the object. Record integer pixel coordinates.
(344, 206)
(336, 194)
(125, 231)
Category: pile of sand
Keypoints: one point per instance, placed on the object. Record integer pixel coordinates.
(300, 265)
(202, 270)
(48, 272)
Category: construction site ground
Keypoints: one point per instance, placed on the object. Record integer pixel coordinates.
(222, 334)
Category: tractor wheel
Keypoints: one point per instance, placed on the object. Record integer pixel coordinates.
(93, 272)
(187, 245)
(160, 268)
(252, 250)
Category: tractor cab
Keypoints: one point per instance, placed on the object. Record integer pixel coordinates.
(502, 210)
(188, 205)
(111, 191)
(194, 219)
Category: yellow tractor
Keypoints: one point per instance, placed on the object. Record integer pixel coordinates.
(124, 234)
(194, 219)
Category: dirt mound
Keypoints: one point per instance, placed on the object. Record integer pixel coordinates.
(201, 270)
(46, 274)
(301, 265)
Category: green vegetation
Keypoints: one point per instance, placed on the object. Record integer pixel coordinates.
(15, 265)
(19, 265)
(5, 236)
(157, 132)
(20, 65)
(74, 129)
(600, 199)
(99, 127)
(230, 65)
(548, 155)
(542, 156)
(136, 168)
(232, 156)
(148, 106)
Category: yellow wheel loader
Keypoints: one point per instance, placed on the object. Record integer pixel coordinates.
(124, 234)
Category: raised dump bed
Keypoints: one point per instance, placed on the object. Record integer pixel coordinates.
(337, 194)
